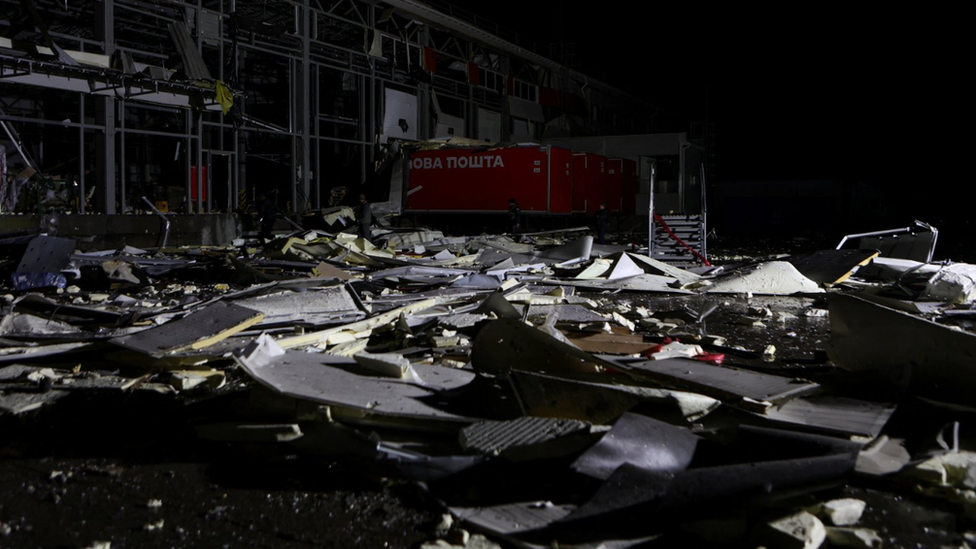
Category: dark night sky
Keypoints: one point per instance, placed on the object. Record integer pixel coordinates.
(816, 92)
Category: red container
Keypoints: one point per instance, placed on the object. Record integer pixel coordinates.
(482, 180)
(621, 185)
(589, 187)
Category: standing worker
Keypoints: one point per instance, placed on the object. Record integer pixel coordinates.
(514, 217)
(267, 215)
(365, 215)
(601, 216)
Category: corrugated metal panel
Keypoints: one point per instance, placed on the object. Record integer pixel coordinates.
(193, 65)
(497, 436)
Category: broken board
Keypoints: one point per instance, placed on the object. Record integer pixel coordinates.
(197, 330)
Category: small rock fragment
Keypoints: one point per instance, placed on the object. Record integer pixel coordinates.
(799, 531)
(859, 538)
(445, 525)
(960, 469)
(154, 503)
(844, 512)
(154, 526)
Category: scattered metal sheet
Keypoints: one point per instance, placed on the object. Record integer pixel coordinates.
(17, 325)
(829, 267)
(915, 242)
(46, 308)
(566, 313)
(638, 283)
(323, 337)
(309, 376)
(402, 461)
(194, 331)
(549, 396)
(504, 345)
(740, 387)
(905, 350)
(834, 414)
(513, 518)
(496, 304)
(34, 351)
(478, 281)
(577, 249)
(461, 320)
(641, 441)
(513, 521)
(309, 306)
(892, 269)
(635, 500)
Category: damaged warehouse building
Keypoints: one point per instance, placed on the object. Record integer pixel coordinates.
(169, 377)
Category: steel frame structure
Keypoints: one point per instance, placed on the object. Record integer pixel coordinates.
(308, 78)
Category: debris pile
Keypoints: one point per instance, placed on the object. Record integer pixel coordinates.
(543, 392)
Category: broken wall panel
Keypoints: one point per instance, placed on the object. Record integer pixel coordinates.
(722, 382)
(905, 350)
(194, 331)
(308, 376)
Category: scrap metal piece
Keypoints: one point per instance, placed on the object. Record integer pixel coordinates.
(641, 441)
(513, 522)
(321, 304)
(907, 351)
(635, 500)
(504, 345)
(829, 267)
(318, 378)
(728, 384)
(916, 242)
(834, 414)
(548, 396)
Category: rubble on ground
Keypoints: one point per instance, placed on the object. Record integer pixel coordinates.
(542, 395)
